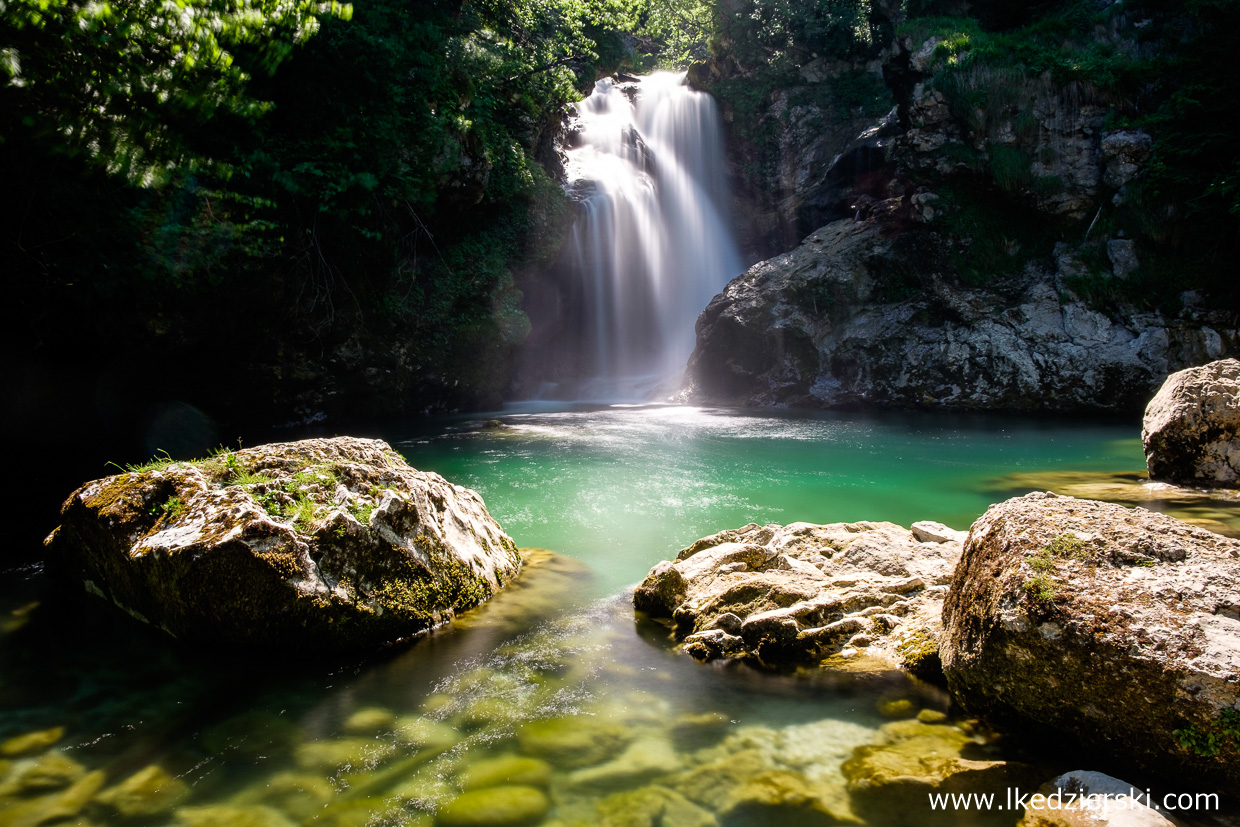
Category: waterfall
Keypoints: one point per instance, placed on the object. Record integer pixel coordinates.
(651, 245)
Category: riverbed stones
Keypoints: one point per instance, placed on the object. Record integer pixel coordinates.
(148, 791)
(505, 770)
(29, 743)
(804, 592)
(890, 781)
(507, 806)
(323, 544)
(1191, 429)
(1114, 627)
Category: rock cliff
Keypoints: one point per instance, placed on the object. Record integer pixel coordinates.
(871, 314)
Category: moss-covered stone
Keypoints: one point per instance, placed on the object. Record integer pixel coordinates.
(508, 806)
(322, 544)
(56, 807)
(422, 733)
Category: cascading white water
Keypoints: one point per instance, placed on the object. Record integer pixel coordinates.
(652, 245)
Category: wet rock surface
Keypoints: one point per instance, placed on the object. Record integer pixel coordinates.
(1112, 626)
(803, 592)
(1191, 429)
(322, 544)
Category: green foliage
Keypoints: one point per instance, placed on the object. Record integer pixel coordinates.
(1066, 545)
(992, 236)
(1219, 736)
(172, 507)
(1010, 167)
(1041, 588)
(155, 463)
(785, 34)
(127, 84)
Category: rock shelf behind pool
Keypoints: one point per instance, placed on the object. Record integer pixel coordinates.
(322, 544)
(806, 592)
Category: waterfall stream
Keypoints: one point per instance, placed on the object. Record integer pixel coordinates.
(651, 245)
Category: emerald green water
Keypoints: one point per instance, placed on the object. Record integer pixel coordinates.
(621, 488)
(614, 726)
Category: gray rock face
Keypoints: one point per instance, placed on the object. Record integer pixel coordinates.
(1114, 626)
(322, 544)
(805, 592)
(832, 324)
(1191, 430)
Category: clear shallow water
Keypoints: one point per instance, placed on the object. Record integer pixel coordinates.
(553, 668)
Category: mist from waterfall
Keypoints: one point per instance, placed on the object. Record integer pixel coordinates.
(651, 245)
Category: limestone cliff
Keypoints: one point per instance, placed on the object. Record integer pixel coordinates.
(870, 314)
(1008, 236)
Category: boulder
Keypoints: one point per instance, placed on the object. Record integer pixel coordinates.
(1091, 799)
(324, 544)
(804, 592)
(1191, 430)
(1116, 627)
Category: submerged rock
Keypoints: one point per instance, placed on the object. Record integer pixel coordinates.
(148, 791)
(1117, 627)
(496, 807)
(805, 592)
(507, 770)
(1191, 430)
(652, 807)
(891, 781)
(31, 742)
(323, 544)
(1091, 799)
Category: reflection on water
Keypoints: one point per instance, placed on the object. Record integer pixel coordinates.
(550, 703)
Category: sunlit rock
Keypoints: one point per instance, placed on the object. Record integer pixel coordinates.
(1191, 429)
(806, 592)
(317, 545)
(1112, 627)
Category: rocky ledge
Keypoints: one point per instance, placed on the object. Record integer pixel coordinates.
(1117, 627)
(871, 314)
(778, 594)
(323, 544)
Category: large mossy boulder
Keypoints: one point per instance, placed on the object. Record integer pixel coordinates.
(323, 544)
(1116, 627)
(1191, 429)
(804, 592)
